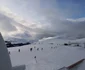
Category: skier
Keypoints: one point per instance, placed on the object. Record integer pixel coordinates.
(41, 48)
(30, 49)
(19, 50)
(37, 48)
(35, 59)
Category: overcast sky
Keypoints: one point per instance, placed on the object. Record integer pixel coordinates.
(36, 19)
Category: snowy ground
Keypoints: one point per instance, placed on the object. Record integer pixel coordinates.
(53, 56)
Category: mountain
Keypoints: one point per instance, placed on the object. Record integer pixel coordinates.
(13, 42)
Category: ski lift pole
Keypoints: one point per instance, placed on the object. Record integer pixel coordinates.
(35, 59)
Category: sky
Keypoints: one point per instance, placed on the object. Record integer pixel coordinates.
(37, 19)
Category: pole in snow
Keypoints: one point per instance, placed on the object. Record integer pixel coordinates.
(35, 59)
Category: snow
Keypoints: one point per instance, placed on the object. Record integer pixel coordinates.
(21, 67)
(5, 63)
(53, 56)
(46, 54)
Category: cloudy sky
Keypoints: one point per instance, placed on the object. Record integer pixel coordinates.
(36, 19)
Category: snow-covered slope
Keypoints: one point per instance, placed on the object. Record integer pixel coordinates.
(47, 54)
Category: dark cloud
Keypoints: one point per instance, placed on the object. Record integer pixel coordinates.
(44, 19)
(6, 24)
(53, 27)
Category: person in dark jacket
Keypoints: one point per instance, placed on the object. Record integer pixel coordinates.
(19, 50)
(30, 49)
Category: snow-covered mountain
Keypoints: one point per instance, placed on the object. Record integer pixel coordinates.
(64, 36)
(70, 35)
(16, 40)
(49, 54)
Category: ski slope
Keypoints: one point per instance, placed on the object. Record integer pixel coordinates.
(53, 56)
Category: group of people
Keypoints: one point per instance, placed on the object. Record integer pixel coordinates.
(37, 49)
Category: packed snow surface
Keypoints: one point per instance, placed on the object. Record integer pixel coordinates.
(49, 54)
